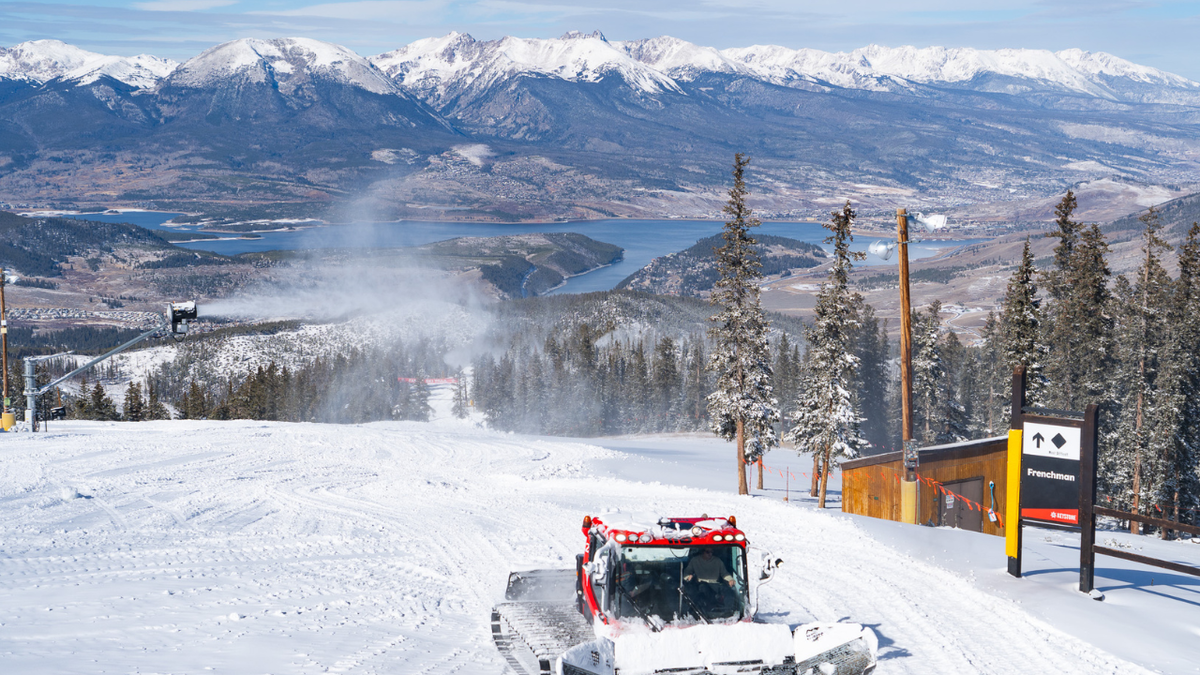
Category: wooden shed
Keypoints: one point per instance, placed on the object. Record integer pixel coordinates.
(958, 484)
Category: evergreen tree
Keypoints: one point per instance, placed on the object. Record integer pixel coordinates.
(81, 408)
(1181, 487)
(101, 407)
(928, 373)
(666, 383)
(421, 410)
(1022, 326)
(461, 407)
(155, 410)
(871, 347)
(1079, 333)
(742, 408)
(994, 382)
(135, 406)
(1136, 466)
(954, 415)
(827, 418)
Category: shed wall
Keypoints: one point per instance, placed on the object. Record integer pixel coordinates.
(871, 486)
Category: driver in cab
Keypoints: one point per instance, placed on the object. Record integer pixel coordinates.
(707, 568)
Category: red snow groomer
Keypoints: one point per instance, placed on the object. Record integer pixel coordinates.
(664, 595)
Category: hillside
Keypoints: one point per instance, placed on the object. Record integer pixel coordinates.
(693, 271)
(40, 246)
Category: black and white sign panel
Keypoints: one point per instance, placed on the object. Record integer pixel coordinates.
(1050, 473)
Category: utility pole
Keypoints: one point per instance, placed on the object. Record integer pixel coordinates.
(908, 488)
(4, 337)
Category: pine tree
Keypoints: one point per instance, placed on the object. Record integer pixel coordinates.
(666, 383)
(135, 406)
(101, 406)
(928, 372)
(421, 410)
(1079, 333)
(1136, 465)
(995, 380)
(1181, 489)
(1022, 326)
(81, 409)
(742, 408)
(461, 407)
(155, 410)
(871, 347)
(953, 413)
(827, 417)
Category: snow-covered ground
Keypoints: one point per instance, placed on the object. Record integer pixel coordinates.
(252, 547)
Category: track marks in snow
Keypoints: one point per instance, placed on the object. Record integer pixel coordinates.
(381, 548)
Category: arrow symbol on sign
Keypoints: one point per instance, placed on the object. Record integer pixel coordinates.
(1038, 438)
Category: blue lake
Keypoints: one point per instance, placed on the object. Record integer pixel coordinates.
(643, 240)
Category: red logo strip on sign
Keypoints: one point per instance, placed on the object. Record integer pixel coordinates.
(1068, 516)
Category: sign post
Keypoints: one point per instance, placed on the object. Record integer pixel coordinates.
(1051, 476)
(1087, 497)
(1012, 504)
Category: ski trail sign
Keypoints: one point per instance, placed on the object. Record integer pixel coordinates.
(1050, 471)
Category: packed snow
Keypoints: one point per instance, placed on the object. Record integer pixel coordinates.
(249, 547)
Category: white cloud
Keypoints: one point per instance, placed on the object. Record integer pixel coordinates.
(182, 5)
(369, 9)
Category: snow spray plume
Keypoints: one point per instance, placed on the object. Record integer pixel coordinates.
(394, 291)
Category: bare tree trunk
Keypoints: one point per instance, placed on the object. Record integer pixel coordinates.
(760, 463)
(824, 478)
(816, 475)
(741, 457)
(1134, 526)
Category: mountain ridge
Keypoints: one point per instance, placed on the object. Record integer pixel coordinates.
(652, 63)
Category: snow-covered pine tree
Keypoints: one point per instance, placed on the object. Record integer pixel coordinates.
(953, 419)
(928, 373)
(827, 418)
(1079, 324)
(742, 407)
(994, 380)
(155, 410)
(871, 347)
(1134, 468)
(461, 406)
(1182, 486)
(666, 384)
(134, 405)
(1022, 326)
(101, 406)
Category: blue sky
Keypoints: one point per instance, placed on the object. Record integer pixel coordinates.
(1160, 34)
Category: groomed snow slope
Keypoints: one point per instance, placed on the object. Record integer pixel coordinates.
(251, 547)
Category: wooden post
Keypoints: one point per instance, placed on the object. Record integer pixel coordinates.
(1012, 533)
(4, 340)
(905, 332)
(909, 493)
(1087, 498)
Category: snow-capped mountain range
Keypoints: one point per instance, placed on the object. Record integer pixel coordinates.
(44, 60)
(441, 65)
(577, 126)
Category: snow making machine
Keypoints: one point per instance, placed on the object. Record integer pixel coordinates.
(664, 595)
